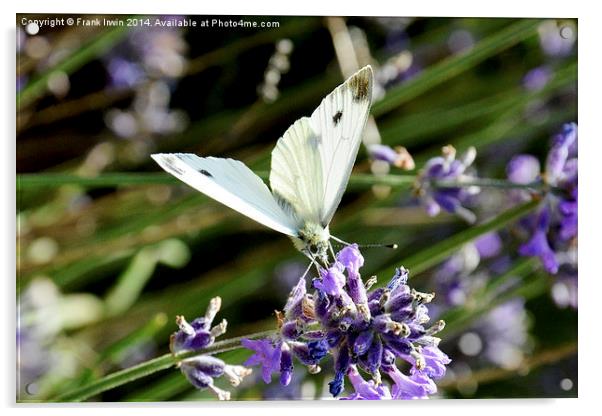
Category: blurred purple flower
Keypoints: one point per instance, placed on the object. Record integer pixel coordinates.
(398, 157)
(538, 245)
(505, 333)
(555, 223)
(565, 290)
(489, 245)
(124, 73)
(442, 169)
(523, 169)
(455, 279)
(460, 41)
(556, 39)
(537, 78)
(21, 82)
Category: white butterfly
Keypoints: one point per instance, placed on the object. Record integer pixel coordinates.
(311, 165)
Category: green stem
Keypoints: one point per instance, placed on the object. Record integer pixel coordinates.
(35, 180)
(149, 367)
(359, 180)
(487, 183)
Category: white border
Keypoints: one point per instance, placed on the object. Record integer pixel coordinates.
(590, 151)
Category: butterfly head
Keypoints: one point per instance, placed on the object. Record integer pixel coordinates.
(313, 241)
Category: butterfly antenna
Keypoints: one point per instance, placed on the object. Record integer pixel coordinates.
(391, 246)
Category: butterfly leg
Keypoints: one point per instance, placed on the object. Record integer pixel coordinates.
(334, 257)
(338, 240)
(314, 262)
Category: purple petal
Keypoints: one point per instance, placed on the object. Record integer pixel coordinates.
(523, 169)
(488, 245)
(539, 246)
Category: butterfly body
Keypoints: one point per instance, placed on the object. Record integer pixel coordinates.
(313, 241)
(310, 168)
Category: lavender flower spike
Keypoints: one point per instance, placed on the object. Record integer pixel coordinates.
(198, 334)
(201, 370)
(552, 230)
(447, 168)
(364, 331)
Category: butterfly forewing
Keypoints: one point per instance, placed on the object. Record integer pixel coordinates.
(233, 184)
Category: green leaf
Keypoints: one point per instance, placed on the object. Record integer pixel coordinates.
(132, 280)
(455, 65)
(415, 129)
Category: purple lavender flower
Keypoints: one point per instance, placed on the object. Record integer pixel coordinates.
(415, 386)
(267, 354)
(523, 169)
(202, 369)
(150, 60)
(366, 390)
(554, 225)
(199, 334)
(539, 245)
(488, 245)
(561, 163)
(564, 290)
(442, 169)
(124, 73)
(147, 53)
(455, 279)
(557, 40)
(398, 157)
(502, 335)
(275, 355)
(537, 78)
(363, 331)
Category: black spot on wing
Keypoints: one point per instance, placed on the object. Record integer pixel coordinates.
(204, 172)
(360, 86)
(170, 164)
(337, 117)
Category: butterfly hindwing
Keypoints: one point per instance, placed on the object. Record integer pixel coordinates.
(312, 161)
(233, 184)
